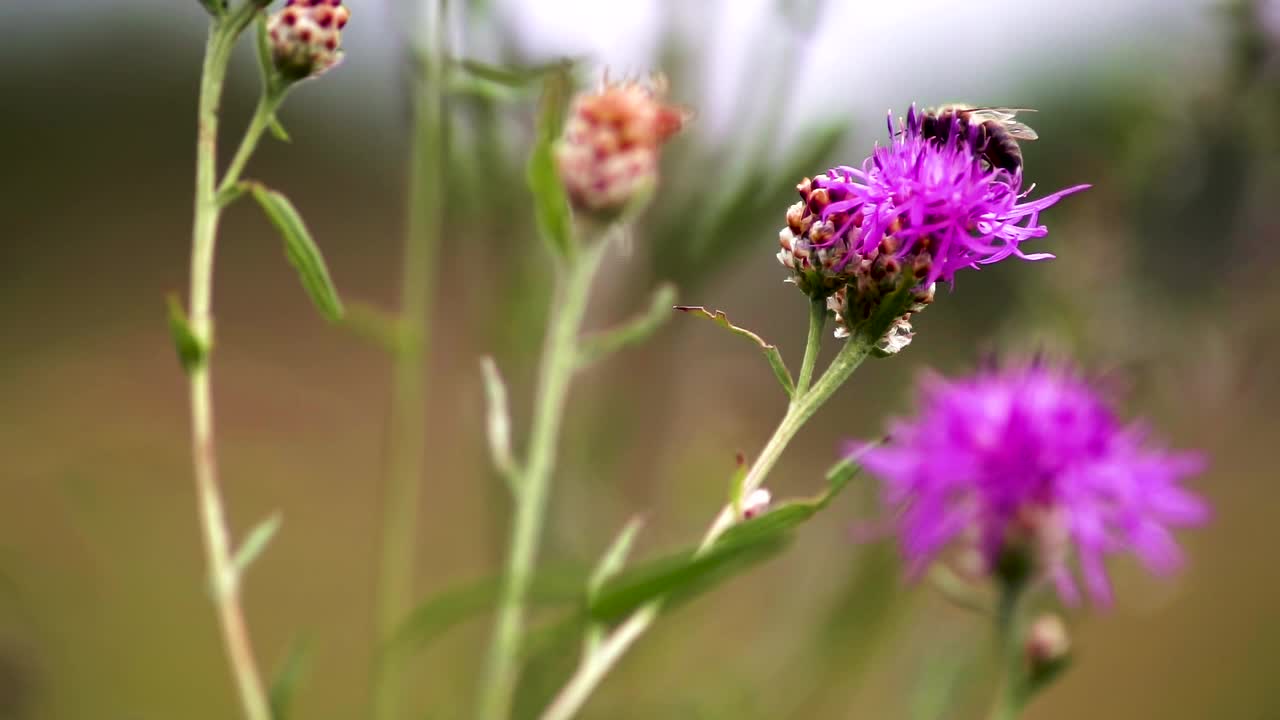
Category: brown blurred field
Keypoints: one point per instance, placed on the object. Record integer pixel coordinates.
(1162, 281)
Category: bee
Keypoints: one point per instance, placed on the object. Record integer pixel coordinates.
(996, 140)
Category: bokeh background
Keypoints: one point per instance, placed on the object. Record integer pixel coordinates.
(1163, 285)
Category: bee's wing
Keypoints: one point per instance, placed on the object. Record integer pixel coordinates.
(1019, 131)
(1004, 116)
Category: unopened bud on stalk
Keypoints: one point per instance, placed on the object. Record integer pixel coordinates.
(306, 37)
(1048, 650)
(608, 154)
(756, 503)
(1047, 640)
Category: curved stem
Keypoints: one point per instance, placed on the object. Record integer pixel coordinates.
(813, 345)
(594, 668)
(1010, 696)
(406, 429)
(559, 357)
(268, 103)
(217, 544)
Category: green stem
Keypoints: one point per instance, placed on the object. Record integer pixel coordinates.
(804, 404)
(802, 408)
(217, 543)
(407, 425)
(268, 103)
(813, 345)
(559, 358)
(1011, 695)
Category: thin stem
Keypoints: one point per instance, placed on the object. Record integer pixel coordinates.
(217, 543)
(1010, 696)
(268, 103)
(813, 345)
(406, 430)
(593, 669)
(559, 358)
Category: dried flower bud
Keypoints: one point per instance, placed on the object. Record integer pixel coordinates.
(608, 154)
(306, 37)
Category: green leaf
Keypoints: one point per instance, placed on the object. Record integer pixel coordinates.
(611, 563)
(680, 577)
(771, 353)
(255, 542)
(615, 557)
(216, 8)
(551, 205)
(301, 250)
(683, 575)
(637, 330)
(277, 129)
(192, 351)
(449, 608)
(379, 327)
(287, 676)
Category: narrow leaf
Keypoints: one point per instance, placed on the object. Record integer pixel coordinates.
(192, 351)
(680, 577)
(287, 677)
(216, 8)
(771, 353)
(635, 331)
(683, 575)
(444, 610)
(277, 129)
(499, 421)
(255, 542)
(301, 250)
(375, 325)
(615, 557)
(551, 205)
(513, 77)
(611, 563)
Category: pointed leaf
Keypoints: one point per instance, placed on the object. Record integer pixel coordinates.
(277, 129)
(255, 542)
(771, 353)
(379, 327)
(683, 575)
(615, 557)
(637, 330)
(301, 250)
(448, 608)
(611, 563)
(287, 677)
(192, 351)
(551, 205)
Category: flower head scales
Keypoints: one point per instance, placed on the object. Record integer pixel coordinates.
(1030, 458)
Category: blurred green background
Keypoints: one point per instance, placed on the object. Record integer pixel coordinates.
(1171, 110)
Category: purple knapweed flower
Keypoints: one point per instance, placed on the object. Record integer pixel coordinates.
(1029, 459)
(936, 201)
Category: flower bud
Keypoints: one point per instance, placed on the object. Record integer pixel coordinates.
(756, 503)
(608, 154)
(306, 37)
(1047, 648)
(813, 247)
(1047, 640)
